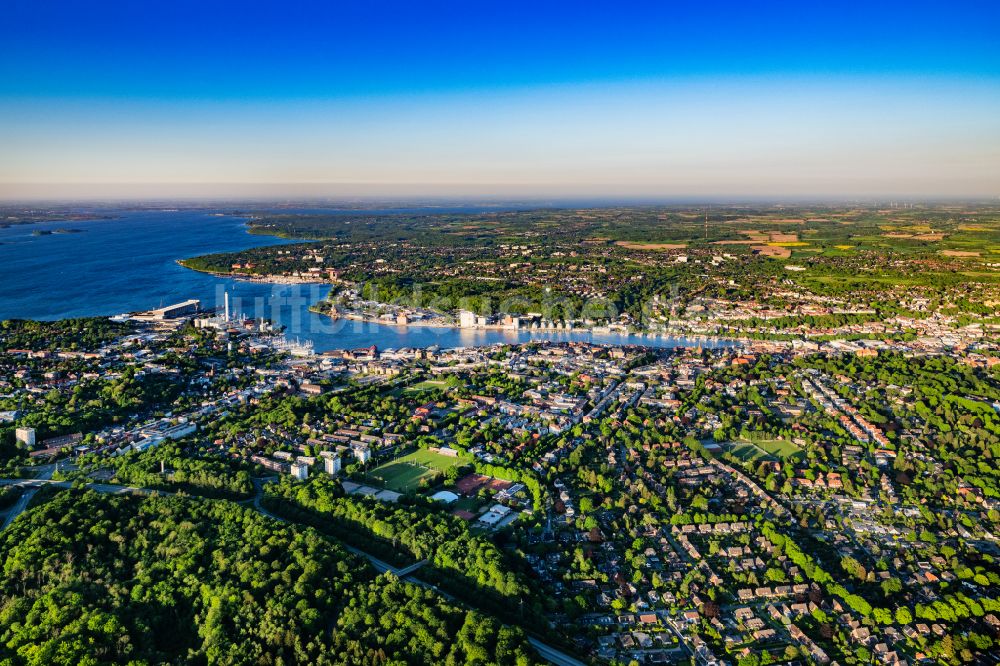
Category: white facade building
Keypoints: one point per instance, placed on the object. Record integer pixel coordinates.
(26, 436)
(300, 471)
(466, 319)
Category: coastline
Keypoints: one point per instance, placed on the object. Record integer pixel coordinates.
(254, 230)
(334, 316)
(11, 223)
(264, 279)
(444, 326)
(504, 329)
(739, 338)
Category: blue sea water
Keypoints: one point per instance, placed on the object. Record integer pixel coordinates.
(117, 265)
(129, 263)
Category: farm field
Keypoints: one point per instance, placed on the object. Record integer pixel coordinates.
(407, 473)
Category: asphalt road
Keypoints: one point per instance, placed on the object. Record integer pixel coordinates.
(552, 655)
(45, 474)
(18, 507)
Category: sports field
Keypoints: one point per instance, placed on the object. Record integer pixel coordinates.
(426, 385)
(764, 449)
(404, 475)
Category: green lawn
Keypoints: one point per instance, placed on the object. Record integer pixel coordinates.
(404, 475)
(765, 449)
(427, 385)
(781, 448)
(435, 460)
(745, 452)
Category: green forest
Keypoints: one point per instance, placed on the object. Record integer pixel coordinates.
(92, 578)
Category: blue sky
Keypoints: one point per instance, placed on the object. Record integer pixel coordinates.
(651, 99)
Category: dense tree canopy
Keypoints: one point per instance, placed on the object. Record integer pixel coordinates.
(92, 578)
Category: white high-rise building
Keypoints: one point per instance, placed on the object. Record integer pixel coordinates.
(26, 436)
(300, 471)
(332, 465)
(466, 319)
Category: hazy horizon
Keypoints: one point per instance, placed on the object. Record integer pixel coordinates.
(319, 195)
